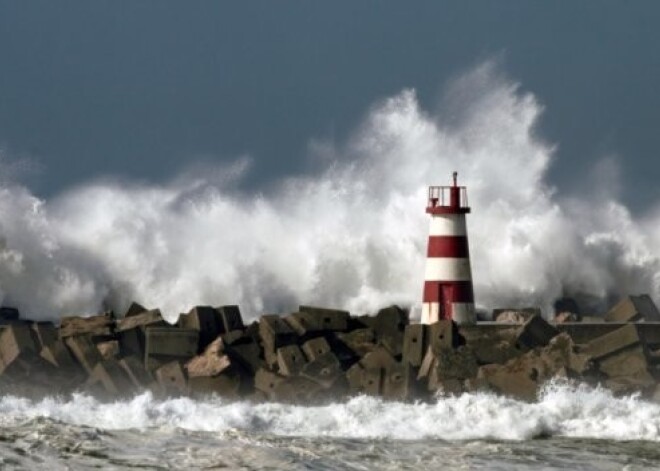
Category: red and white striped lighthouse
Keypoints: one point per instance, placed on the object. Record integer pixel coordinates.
(448, 290)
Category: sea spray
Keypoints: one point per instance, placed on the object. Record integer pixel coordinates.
(352, 235)
(563, 410)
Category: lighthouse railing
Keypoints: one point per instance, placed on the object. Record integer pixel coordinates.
(440, 196)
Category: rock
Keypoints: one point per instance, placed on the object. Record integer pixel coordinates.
(95, 326)
(290, 360)
(142, 319)
(634, 309)
(165, 344)
(315, 347)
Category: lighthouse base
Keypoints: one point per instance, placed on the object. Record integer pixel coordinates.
(461, 313)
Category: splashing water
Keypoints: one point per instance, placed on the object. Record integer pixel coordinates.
(352, 236)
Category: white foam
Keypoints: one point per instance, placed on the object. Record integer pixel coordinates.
(353, 235)
(563, 410)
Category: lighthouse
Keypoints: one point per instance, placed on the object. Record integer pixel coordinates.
(448, 290)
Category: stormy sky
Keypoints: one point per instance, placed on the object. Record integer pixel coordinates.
(142, 90)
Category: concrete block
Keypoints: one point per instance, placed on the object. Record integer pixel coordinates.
(211, 362)
(414, 344)
(172, 378)
(17, 348)
(296, 390)
(266, 381)
(304, 323)
(442, 334)
(315, 347)
(634, 309)
(535, 332)
(328, 319)
(631, 361)
(275, 332)
(58, 355)
(372, 380)
(515, 315)
(206, 321)
(136, 372)
(227, 386)
(459, 364)
(359, 342)
(84, 351)
(325, 370)
(608, 344)
(163, 344)
(247, 355)
(134, 309)
(95, 326)
(379, 358)
(131, 342)
(108, 349)
(8, 315)
(44, 333)
(142, 319)
(290, 360)
(493, 343)
(398, 382)
(231, 318)
(112, 376)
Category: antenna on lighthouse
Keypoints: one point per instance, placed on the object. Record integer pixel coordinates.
(448, 292)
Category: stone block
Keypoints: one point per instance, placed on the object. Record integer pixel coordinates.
(172, 378)
(95, 326)
(84, 351)
(631, 361)
(328, 319)
(315, 347)
(610, 343)
(304, 323)
(131, 342)
(206, 321)
(16, 346)
(442, 334)
(372, 379)
(231, 318)
(379, 358)
(535, 332)
(325, 370)
(515, 315)
(290, 360)
(228, 386)
(634, 309)
(296, 390)
(247, 355)
(414, 344)
(112, 377)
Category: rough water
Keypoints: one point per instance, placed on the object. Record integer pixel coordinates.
(569, 427)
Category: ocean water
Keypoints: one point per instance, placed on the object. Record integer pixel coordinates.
(569, 427)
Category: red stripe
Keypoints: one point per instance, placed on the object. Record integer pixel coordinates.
(455, 291)
(448, 246)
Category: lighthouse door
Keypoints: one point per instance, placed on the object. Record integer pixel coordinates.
(446, 298)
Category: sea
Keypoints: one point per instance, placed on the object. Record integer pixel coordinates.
(570, 426)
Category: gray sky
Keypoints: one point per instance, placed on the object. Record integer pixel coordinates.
(141, 89)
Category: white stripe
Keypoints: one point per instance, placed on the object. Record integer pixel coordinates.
(448, 225)
(447, 269)
(462, 313)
